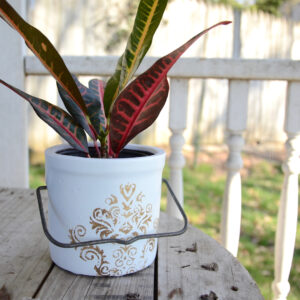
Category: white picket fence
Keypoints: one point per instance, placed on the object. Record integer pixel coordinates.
(15, 67)
(79, 27)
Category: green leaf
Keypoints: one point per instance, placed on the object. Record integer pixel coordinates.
(147, 19)
(45, 52)
(57, 118)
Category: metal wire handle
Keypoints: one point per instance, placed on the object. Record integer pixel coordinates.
(105, 241)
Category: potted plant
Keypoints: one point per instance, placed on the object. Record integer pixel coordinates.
(101, 189)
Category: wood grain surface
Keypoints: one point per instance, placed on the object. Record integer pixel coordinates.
(191, 266)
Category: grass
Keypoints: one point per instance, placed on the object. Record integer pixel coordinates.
(203, 190)
(36, 176)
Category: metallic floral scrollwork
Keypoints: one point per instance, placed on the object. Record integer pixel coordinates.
(121, 217)
(75, 234)
(104, 222)
(125, 255)
(96, 254)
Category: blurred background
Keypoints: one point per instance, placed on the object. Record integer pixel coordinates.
(266, 29)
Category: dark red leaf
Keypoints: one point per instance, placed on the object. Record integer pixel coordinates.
(131, 114)
(57, 118)
(93, 99)
(126, 120)
(97, 88)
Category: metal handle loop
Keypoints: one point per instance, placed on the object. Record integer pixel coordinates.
(105, 241)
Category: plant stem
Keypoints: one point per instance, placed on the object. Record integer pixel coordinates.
(104, 146)
(104, 151)
(97, 148)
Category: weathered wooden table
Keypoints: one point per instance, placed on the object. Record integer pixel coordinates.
(191, 266)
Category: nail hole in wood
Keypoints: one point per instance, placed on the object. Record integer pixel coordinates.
(194, 248)
(133, 296)
(210, 267)
(211, 296)
(186, 266)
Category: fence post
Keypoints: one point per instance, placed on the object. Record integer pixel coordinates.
(232, 202)
(13, 112)
(237, 44)
(177, 124)
(288, 208)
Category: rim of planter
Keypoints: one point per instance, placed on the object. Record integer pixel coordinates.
(53, 151)
(76, 162)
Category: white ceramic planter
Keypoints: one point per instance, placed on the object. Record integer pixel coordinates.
(103, 198)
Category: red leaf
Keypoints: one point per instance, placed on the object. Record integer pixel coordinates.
(130, 113)
(97, 88)
(57, 118)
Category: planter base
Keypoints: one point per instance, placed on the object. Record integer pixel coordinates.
(112, 274)
(107, 260)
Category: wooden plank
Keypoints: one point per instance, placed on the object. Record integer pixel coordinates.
(237, 44)
(237, 111)
(182, 264)
(13, 113)
(247, 69)
(25, 260)
(194, 265)
(177, 125)
(64, 285)
(292, 111)
(237, 108)
(288, 206)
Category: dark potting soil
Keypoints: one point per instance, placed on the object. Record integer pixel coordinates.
(125, 153)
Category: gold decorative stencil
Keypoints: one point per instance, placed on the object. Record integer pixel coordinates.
(123, 217)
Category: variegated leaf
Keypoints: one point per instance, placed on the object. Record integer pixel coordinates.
(93, 98)
(133, 112)
(75, 111)
(48, 55)
(57, 118)
(133, 99)
(147, 19)
(97, 88)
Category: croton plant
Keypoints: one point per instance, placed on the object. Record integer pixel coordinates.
(113, 113)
